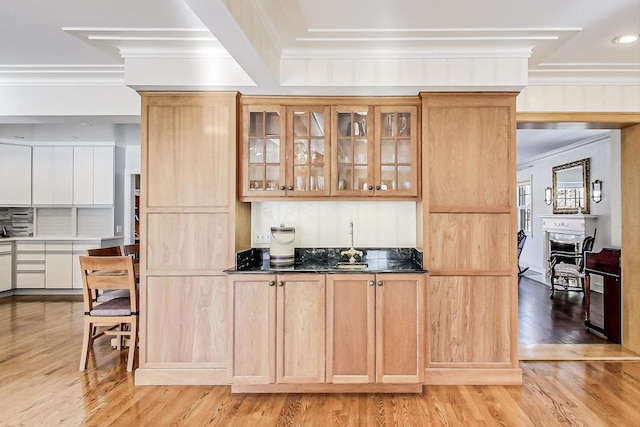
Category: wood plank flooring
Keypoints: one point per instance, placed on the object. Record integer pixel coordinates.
(542, 320)
(40, 385)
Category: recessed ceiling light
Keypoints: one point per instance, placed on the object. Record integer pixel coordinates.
(626, 38)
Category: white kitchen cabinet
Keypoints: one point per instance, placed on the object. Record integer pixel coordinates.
(58, 265)
(6, 265)
(52, 175)
(80, 249)
(93, 175)
(30, 265)
(15, 175)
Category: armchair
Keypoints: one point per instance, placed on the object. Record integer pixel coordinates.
(567, 268)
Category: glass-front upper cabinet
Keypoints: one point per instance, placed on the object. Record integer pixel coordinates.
(396, 163)
(353, 153)
(263, 152)
(308, 151)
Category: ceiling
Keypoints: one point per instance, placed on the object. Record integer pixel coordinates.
(75, 42)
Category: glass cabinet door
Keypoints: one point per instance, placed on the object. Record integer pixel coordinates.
(263, 152)
(308, 159)
(353, 154)
(397, 155)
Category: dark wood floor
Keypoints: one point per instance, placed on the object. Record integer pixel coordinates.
(560, 320)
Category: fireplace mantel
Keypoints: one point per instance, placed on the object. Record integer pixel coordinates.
(566, 229)
(576, 224)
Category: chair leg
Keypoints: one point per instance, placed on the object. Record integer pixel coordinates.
(88, 331)
(133, 343)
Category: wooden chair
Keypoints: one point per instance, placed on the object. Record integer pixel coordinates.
(118, 316)
(109, 251)
(569, 266)
(99, 296)
(132, 250)
(522, 237)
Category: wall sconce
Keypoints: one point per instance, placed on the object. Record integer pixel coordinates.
(547, 196)
(596, 191)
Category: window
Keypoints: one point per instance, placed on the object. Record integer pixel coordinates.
(524, 206)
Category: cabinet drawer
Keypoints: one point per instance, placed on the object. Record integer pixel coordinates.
(30, 247)
(30, 266)
(22, 256)
(30, 280)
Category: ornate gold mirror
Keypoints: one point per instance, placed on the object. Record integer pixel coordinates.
(571, 187)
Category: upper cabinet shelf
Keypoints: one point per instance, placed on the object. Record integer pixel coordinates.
(342, 150)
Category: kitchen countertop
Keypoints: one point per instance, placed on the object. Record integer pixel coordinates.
(323, 260)
(58, 238)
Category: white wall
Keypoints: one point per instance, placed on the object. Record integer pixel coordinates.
(326, 223)
(604, 166)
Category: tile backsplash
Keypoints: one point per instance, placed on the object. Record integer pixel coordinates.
(326, 223)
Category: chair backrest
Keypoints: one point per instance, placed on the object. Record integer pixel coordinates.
(522, 237)
(107, 273)
(109, 251)
(132, 250)
(587, 246)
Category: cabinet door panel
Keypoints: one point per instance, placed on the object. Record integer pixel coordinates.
(189, 241)
(471, 146)
(15, 175)
(350, 329)
(399, 328)
(252, 340)
(186, 320)
(103, 176)
(470, 321)
(471, 242)
(263, 151)
(83, 175)
(301, 328)
(58, 265)
(53, 175)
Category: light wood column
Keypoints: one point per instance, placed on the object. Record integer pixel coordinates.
(630, 163)
(469, 236)
(188, 222)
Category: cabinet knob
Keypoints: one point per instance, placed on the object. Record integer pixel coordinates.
(272, 283)
(370, 187)
(371, 283)
(290, 188)
(282, 187)
(281, 284)
(380, 283)
(377, 187)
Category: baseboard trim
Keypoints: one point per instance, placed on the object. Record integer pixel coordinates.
(181, 377)
(470, 376)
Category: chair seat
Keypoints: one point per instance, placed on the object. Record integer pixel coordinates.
(564, 269)
(114, 307)
(110, 295)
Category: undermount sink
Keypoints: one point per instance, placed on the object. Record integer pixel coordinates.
(351, 265)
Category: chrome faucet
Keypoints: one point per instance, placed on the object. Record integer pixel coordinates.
(352, 252)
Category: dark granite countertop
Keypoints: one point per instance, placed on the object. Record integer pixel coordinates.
(324, 260)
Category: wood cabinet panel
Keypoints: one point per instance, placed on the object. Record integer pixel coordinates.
(470, 322)
(399, 328)
(471, 242)
(186, 322)
(301, 328)
(252, 331)
(189, 241)
(191, 135)
(375, 328)
(351, 329)
(470, 141)
(289, 350)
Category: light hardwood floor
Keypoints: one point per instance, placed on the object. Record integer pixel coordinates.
(40, 385)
